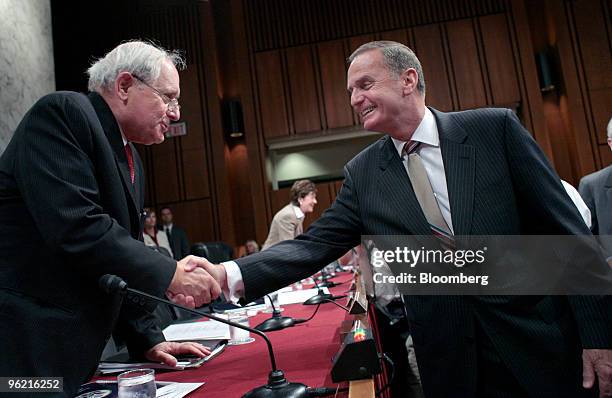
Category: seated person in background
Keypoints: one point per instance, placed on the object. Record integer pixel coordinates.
(288, 222)
(177, 237)
(154, 237)
(251, 247)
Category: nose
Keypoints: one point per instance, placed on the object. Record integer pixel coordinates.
(356, 98)
(173, 114)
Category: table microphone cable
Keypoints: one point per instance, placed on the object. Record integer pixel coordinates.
(388, 384)
(302, 320)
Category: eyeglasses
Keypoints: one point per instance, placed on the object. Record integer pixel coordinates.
(171, 103)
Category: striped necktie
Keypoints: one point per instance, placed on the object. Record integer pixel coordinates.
(425, 196)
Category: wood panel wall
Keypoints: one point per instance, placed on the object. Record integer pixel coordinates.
(584, 43)
(575, 35)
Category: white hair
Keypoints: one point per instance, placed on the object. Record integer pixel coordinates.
(140, 58)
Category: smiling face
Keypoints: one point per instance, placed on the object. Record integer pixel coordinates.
(383, 100)
(308, 202)
(147, 114)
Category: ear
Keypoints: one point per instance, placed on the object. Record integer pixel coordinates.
(409, 79)
(123, 82)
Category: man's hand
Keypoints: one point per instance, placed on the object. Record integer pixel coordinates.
(191, 281)
(597, 361)
(164, 352)
(216, 271)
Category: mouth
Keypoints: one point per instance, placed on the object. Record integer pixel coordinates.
(164, 127)
(364, 113)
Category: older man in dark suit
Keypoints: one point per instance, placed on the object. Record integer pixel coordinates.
(71, 197)
(486, 176)
(596, 190)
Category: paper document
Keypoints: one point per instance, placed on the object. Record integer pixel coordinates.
(298, 296)
(108, 389)
(206, 330)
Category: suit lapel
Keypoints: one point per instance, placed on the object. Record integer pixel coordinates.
(459, 166)
(113, 134)
(396, 188)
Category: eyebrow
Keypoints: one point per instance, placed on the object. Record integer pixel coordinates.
(358, 82)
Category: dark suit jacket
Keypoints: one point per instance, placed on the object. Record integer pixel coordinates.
(69, 214)
(499, 183)
(178, 242)
(596, 190)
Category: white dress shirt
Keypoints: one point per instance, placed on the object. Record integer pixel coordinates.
(431, 155)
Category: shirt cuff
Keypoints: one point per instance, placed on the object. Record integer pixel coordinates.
(234, 290)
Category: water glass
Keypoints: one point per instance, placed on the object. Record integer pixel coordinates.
(237, 335)
(138, 383)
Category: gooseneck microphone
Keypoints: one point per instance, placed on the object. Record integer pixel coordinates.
(320, 297)
(276, 322)
(277, 387)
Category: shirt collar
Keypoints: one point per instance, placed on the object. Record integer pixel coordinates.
(426, 132)
(298, 212)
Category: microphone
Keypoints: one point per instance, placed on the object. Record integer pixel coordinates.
(277, 387)
(320, 297)
(277, 322)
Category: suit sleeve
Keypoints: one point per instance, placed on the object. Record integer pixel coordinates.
(57, 171)
(541, 194)
(327, 239)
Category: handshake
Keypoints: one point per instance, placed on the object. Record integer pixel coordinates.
(196, 282)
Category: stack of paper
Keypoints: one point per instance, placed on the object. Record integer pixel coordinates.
(108, 388)
(299, 296)
(195, 331)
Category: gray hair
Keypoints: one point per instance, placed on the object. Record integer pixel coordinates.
(397, 58)
(609, 128)
(137, 57)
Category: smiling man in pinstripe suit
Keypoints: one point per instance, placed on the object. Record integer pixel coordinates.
(489, 177)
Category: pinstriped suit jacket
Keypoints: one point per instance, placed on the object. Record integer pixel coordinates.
(68, 215)
(499, 183)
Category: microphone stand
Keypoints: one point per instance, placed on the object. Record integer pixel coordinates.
(277, 322)
(320, 297)
(277, 387)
